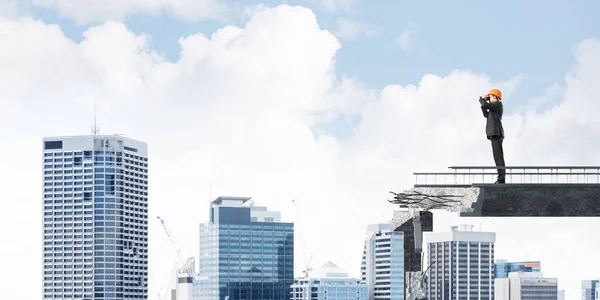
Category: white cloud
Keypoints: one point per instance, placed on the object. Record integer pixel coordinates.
(350, 30)
(406, 38)
(11, 8)
(94, 11)
(231, 114)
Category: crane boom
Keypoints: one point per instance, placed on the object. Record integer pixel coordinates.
(162, 222)
(307, 268)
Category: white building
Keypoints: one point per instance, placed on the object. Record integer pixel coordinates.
(561, 295)
(526, 286)
(181, 283)
(185, 280)
(382, 267)
(461, 264)
(329, 283)
(95, 194)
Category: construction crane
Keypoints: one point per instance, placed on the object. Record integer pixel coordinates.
(307, 268)
(187, 270)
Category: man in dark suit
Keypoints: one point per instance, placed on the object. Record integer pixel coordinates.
(491, 106)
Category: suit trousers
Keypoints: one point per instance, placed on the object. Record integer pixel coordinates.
(498, 153)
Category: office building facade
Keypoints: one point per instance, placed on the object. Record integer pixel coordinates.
(382, 266)
(503, 267)
(526, 286)
(95, 218)
(589, 289)
(461, 264)
(329, 283)
(246, 252)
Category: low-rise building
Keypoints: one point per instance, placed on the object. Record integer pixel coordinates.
(526, 286)
(331, 283)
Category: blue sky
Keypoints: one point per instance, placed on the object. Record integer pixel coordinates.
(500, 38)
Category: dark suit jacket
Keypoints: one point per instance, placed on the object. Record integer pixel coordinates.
(493, 113)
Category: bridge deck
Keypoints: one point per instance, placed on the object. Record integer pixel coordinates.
(546, 191)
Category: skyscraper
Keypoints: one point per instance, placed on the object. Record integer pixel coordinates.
(95, 218)
(246, 252)
(382, 266)
(588, 289)
(462, 264)
(503, 267)
(526, 286)
(329, 283)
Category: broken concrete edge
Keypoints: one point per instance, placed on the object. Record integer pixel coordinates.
(512, 200)
(416, 287)
(463, 204)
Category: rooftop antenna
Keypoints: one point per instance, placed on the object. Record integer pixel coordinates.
(95, 129)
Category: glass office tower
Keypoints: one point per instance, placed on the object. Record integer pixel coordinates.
(246, 252)
(382, 264)
(503, 267)
(95, 218)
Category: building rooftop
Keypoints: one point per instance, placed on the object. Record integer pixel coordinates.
(329, 270)
(220, 199)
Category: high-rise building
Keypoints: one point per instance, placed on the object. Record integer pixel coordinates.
(503, 267)
(382, 266)
(561, 295)
(95, 219)
(526, 286)
(246, 252)
(588, 289)
(461, 264)
(329, 283)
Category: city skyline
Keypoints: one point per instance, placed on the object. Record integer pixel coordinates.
(50, 144)
(280, 104)
(53, 144)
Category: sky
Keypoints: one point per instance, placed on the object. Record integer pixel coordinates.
(331, 103)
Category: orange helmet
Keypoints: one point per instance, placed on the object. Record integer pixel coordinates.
(496, 92)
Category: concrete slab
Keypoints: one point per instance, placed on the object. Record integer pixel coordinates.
(518, 200)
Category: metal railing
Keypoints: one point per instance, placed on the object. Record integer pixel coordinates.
(469, 175)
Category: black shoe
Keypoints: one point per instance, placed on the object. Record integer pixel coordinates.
(500, 182)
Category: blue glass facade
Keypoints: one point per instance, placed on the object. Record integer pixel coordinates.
(502, 268)
(245, 259)
(95, 219)
(589, 289)
(382, 265)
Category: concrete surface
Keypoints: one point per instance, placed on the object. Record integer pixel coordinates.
(520, 200)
